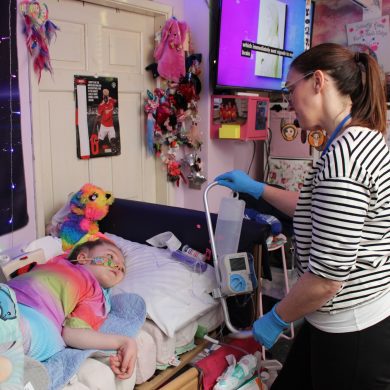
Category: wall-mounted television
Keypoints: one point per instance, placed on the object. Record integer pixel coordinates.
(254, 41)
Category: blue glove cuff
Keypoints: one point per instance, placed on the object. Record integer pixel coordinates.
(278, 320)
(257, 189)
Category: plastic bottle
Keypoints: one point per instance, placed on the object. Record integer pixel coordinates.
(195, 264)
(194, 253)
(229, 223)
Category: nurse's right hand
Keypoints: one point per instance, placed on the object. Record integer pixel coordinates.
(239, 181)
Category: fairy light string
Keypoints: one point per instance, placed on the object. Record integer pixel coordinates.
(11, 148)
(13, 211)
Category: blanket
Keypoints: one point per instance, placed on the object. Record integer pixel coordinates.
(127, 316)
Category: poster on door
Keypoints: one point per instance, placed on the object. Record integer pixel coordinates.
(97, 124)
(375, 34)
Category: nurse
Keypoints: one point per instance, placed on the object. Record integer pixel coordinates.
(341, 228)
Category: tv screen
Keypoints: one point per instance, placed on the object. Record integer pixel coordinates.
(258, 39)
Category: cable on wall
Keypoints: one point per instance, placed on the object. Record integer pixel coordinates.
(253, 157)
(267, 153)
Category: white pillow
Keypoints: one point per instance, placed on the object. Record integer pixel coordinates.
(52, 246)
(174, 295)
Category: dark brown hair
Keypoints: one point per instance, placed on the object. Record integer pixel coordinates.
(88, 245)
(355, 74)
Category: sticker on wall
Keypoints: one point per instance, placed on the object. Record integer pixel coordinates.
(316, 138)
(289, 130)
(97, 123)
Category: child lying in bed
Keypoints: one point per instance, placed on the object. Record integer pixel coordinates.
(63, 303)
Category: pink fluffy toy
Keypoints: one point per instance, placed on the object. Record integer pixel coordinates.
(87, 206)
(169, 53)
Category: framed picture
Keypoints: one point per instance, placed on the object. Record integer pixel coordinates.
(97, 123)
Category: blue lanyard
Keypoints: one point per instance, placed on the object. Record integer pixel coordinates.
(335, 133)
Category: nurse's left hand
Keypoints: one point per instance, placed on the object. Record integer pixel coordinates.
(267, 328)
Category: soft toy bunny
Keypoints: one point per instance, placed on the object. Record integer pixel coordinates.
(87, 206)
(169, 53)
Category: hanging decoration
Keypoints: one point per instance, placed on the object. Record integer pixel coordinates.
(171, 110)
(317, 138)
(288, 130)
(170, 51)
(195, 177)
(39, 32)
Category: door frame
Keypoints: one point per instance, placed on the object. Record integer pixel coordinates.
(164, 190)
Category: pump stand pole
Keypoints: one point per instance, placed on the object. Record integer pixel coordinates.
(236, 333)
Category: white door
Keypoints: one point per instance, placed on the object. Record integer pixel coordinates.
(95, 40)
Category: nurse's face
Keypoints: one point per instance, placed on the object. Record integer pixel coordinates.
(302, 98)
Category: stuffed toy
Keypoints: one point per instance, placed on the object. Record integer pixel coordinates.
(170, 53)
(87, 206)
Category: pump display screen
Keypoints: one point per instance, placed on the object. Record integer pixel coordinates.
(237, 264)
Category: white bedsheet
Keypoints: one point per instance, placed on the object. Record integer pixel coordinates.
(157, 349)
(175, 296)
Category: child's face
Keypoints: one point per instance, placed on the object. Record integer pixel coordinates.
(105, 262)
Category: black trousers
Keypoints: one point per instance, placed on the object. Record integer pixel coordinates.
(319, 360)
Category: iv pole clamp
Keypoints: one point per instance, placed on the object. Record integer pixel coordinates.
(218, 294)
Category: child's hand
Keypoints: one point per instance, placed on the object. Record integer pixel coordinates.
(122, 364)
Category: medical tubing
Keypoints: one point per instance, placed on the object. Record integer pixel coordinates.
(215, 341)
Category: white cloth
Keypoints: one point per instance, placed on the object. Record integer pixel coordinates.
(359, 318)
(96, 374)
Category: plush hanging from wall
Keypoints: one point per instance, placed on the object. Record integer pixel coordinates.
(172, 122)
(171, 111)
(39, 32)
(170, 51)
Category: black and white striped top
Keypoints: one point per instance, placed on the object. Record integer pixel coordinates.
(342, 219)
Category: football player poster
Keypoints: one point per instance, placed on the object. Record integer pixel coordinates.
(97, 123)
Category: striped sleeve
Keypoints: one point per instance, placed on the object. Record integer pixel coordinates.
(339, 209)
(342, 219)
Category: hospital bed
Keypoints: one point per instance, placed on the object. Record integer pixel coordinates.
(167, 340)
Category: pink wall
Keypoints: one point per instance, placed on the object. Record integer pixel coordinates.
(331, 16)
(218, 156)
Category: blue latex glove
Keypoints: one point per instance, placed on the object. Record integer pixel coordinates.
(239, 181)
(267, 328)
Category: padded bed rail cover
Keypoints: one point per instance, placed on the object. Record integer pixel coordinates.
(139, 221)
